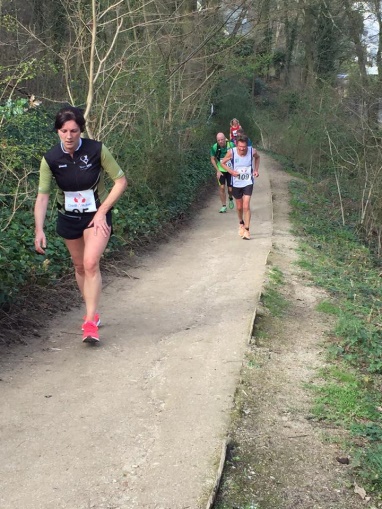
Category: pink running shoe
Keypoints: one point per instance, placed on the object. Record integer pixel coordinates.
(90, 334)
(97, 320)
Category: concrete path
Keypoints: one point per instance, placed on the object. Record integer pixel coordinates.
(138, 422)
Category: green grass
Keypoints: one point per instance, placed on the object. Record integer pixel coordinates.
(276, 277)
(271, 297)
(342, 265)
(274, 302)
(343, 399)
(348, 392)
(328, 308)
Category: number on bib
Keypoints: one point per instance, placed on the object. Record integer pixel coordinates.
(80, 202)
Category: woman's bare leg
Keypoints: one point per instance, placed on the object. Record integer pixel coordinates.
(86, 254)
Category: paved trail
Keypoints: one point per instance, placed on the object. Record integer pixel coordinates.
(138, 422)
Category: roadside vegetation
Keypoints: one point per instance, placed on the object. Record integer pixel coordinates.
(349, 390)
(336, 213)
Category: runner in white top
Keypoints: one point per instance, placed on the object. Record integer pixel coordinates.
(245, 167)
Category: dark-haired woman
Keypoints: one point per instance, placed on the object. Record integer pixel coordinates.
(84, 205)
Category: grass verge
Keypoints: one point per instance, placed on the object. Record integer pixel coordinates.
(346, 393)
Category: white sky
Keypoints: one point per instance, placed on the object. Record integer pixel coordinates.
(370, 37)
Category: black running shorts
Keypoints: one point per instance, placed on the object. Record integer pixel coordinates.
(72, 226)
(224, 178)
(239, 192)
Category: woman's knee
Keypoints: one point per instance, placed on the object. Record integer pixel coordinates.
(91, 266)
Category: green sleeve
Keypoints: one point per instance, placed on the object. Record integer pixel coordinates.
(45, 177)
(213, 150)
(109, 164)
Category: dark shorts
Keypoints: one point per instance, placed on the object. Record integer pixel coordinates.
(239, 192)
(72, 226)
(225, 178)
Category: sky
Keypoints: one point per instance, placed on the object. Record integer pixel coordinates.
(370, 36)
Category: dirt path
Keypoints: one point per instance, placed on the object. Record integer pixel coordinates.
(138, 422)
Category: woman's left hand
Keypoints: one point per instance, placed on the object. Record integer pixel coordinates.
(99, 223)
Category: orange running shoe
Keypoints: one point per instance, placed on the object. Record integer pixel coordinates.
(241, 230)
(246, 235)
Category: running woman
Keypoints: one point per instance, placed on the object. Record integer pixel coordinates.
(84, 217)
(234, 126)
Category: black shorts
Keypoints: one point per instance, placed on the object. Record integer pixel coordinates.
(72, 226)
(239, 192)
(225, 178)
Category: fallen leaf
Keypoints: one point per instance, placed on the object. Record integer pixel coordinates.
(360, 491)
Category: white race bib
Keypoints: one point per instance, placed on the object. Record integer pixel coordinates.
(244, 178)
(80, 201)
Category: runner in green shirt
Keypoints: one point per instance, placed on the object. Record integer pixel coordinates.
(217, 152)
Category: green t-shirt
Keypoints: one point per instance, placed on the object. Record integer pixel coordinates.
(220, 152)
